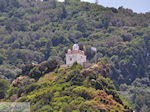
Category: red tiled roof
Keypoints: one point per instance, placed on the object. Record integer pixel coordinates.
(75, 52)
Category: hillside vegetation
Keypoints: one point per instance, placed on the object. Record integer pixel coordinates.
(37, 31)
(70, 89)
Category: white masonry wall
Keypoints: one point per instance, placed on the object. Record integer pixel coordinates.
(72, 58)
(75, 55)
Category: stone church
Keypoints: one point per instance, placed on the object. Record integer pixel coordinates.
(75, 55)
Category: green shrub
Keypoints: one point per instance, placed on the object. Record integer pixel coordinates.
(84, 92)
(4, 85)
(12, 91)
(87, 108)
(46, 108)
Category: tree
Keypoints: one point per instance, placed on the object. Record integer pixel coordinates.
(3, 5)
(1, 59)
(64, 12)
(6, 5)
(3, 87)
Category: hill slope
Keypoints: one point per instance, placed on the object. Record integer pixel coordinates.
(72, 89)
(37, 31)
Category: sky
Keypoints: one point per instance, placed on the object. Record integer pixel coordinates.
(139, 6)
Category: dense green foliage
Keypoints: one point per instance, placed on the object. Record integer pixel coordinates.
(72, 89)
(138, 93)
(4, 85)
(36, 31)
(38, 70)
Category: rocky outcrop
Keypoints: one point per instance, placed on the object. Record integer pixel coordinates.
(22, 81)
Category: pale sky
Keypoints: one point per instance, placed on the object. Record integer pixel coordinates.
(139, 6)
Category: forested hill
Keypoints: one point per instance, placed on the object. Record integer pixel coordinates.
(31, 32)
(35, 31)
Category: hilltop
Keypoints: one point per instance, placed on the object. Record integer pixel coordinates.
(70, 89)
